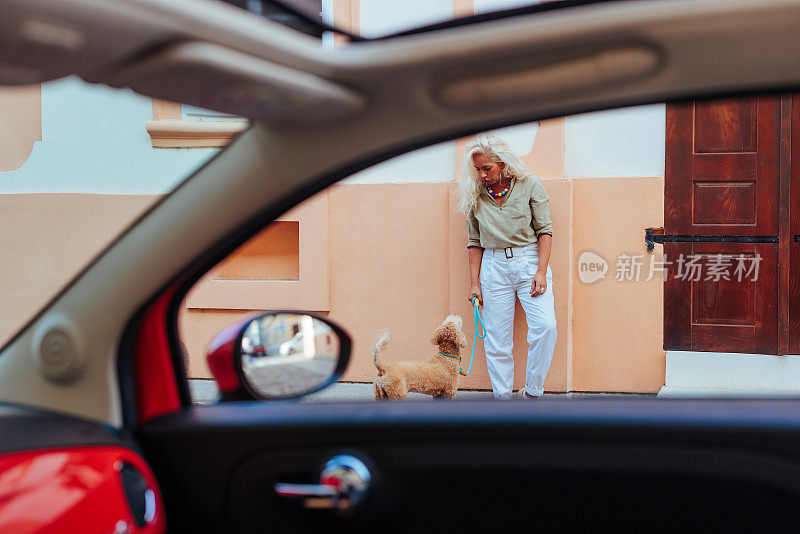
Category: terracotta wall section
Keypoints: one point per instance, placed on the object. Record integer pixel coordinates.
(388, 269)
(273, 254)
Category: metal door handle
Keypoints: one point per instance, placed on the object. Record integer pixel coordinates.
(344, 484)
(304, 490)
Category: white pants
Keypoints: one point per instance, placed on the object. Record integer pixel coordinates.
(502, 281)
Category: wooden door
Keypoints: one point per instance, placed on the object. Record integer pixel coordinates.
(721, 207)
(793, 234)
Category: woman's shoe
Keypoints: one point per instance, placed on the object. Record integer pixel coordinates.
(522, 394)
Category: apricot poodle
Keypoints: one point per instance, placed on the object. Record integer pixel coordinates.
(437, 376)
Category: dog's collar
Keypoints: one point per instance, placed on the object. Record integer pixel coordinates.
(454, 356)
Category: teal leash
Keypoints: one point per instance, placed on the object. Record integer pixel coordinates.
(476, 306)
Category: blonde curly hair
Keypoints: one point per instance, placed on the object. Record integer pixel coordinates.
(497, 150)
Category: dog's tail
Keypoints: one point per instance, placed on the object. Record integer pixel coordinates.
(383, 341)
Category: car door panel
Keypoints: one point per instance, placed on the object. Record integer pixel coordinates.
(464, 464)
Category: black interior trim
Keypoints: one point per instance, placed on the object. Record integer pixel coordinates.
(245, 448)
(760, 239)
(27, 429)
(301, 10)
(126, 370)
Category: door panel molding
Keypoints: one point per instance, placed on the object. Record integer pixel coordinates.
(726, 192)
(792, 274)
(721, 167)
(705, 314)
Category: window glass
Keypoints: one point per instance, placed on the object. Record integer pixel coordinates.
(659, 281)
(371, 19)
(387, 249)
(77, 166)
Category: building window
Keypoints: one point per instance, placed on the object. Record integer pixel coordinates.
(285, 266)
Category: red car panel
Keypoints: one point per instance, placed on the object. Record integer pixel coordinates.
(76, 489)
(156, 384)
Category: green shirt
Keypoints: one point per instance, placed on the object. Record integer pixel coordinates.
(523, 216)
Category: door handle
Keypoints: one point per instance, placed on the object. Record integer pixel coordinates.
(344, 484)
(797, 238)
(305, 490)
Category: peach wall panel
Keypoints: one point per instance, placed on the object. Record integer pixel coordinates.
(618, 325)
(388, 267)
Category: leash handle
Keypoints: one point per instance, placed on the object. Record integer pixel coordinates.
(476, 304)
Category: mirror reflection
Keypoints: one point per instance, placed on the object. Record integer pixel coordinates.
(288, 354)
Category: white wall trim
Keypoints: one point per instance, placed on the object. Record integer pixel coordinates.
(693, 373)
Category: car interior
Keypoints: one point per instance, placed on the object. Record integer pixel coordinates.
(599, 463)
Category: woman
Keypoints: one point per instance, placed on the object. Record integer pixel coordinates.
(510, 236)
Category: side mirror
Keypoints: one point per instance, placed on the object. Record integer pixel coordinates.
(278, 355)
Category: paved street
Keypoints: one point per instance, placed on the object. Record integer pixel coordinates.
(349, 391)
(205, 391)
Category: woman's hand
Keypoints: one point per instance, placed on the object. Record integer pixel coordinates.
(539, 284)
(475, 291)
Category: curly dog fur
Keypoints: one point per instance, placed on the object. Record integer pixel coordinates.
(437, 376)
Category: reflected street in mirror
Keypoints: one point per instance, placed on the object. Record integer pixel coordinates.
(287, 354)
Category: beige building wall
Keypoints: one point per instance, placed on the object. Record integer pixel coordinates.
(369, 256)
(396, 259)
(373, 256)
(48, 238)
